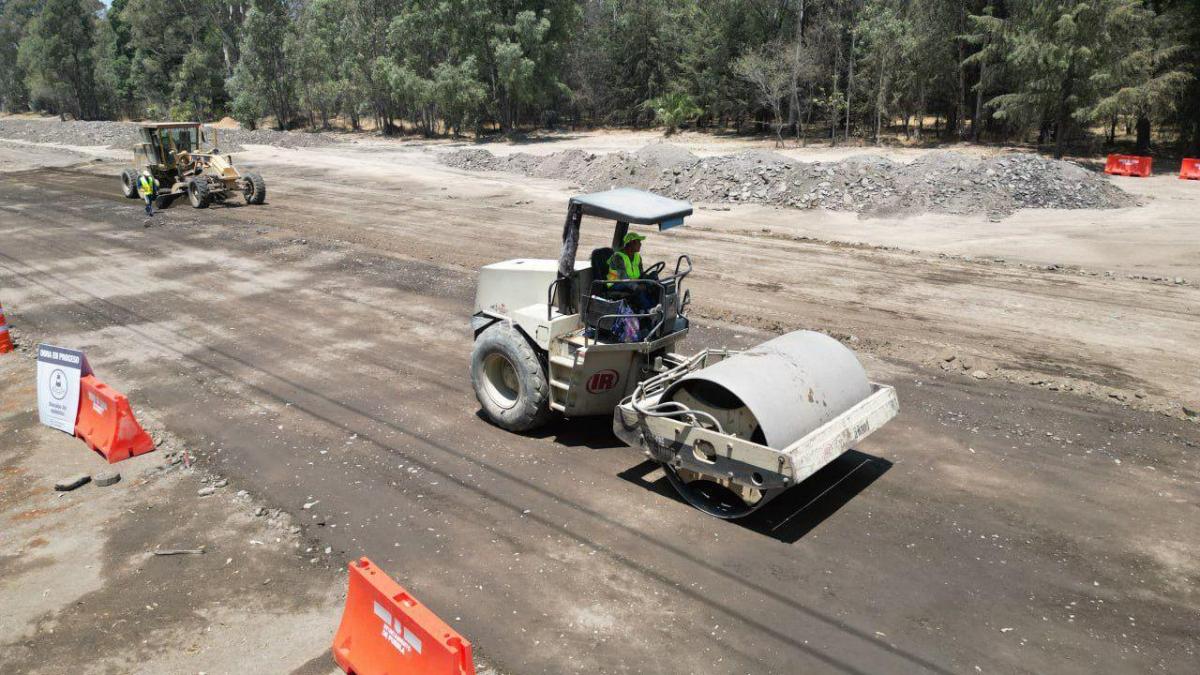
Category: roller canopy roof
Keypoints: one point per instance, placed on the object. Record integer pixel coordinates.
(168, 125)
(628, 205)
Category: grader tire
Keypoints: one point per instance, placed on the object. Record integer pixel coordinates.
(198, 194)
(256, 189)
(129, 180)
(509, 379)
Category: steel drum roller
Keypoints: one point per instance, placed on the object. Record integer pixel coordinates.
(777, 392)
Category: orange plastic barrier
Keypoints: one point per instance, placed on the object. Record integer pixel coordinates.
(1189, 170)
(385, 631)
(106, 422)
(6, 343)
(1128, 165)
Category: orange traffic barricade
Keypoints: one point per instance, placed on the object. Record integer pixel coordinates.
(1189, 170)
(6, 343)
(106, 422)
(1128, 165)
(385, 631)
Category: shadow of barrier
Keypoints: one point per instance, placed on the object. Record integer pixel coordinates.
(386, 631)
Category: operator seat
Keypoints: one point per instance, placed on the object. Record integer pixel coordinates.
(601, 299)
(600, 258)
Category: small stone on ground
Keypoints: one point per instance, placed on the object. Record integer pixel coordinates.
(72, 482)
(106, 478)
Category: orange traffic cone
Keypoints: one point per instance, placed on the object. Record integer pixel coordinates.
(6, 343)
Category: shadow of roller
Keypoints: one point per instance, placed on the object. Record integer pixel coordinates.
(799, 509)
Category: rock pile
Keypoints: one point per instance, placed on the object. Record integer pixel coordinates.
(943, 181)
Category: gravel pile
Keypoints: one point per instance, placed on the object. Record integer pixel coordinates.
(125, 135)
(944, 181)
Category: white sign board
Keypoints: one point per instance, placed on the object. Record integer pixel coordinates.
(58, 373)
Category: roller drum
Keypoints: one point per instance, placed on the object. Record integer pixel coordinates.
(778, 392)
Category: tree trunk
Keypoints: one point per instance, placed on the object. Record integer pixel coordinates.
(960, 114)
(1112, 131)
(794, 107)
(850, 86)
(921, 112)
(1143, 134)
(833, 111)
(880, 97)
(978, 119)
(1064, 117)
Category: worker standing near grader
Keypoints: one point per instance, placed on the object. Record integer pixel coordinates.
(185, 158)
(148, 188)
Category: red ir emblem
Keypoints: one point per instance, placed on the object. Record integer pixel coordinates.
(602, 381)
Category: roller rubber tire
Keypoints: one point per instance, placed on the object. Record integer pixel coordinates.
(509, 379)
(129, 180)
(198, 194)
(257, 194)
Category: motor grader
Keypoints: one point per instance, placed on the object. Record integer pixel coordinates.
(183, 160)
(730, 430)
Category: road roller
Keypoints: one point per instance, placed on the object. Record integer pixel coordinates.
(731, 430)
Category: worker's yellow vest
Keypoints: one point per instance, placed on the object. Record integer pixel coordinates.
(633, 267)
(146, 184)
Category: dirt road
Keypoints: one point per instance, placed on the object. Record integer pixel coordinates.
(315, 349)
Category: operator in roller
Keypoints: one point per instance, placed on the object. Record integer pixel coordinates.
(627, 264)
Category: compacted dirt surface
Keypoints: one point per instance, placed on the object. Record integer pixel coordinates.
(1032, 509)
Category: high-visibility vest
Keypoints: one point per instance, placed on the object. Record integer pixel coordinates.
(146, 184)
(633, 267)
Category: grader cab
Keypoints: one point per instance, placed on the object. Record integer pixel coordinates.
(186, 160)
(730, 430)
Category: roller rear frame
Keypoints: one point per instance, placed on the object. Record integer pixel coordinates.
(689, 446)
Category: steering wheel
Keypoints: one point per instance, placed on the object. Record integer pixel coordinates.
(653, 270)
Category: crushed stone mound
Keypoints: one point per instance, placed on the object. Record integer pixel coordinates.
(942, 181)
(125, 134)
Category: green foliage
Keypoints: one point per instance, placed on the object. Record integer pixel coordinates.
(1001, 67)
(1078, 62)
(673, 110)
(264, 71)
(56, 57)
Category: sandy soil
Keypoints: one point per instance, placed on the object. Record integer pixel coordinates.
(83, 592)
(315, 348)
(984, 285)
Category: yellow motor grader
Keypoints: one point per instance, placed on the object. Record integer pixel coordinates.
(183, 160)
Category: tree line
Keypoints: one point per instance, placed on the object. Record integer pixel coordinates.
(1057, 72)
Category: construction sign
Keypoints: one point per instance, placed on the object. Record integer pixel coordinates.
(58, 373)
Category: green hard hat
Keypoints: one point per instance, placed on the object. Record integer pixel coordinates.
(632, 236)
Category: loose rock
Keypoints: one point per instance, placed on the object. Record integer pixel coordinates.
(72, 482)
(943, 181)
(106, 478)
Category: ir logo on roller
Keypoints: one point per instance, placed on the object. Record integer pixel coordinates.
(602, 381)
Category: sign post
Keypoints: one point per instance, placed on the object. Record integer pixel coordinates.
(58, 373)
